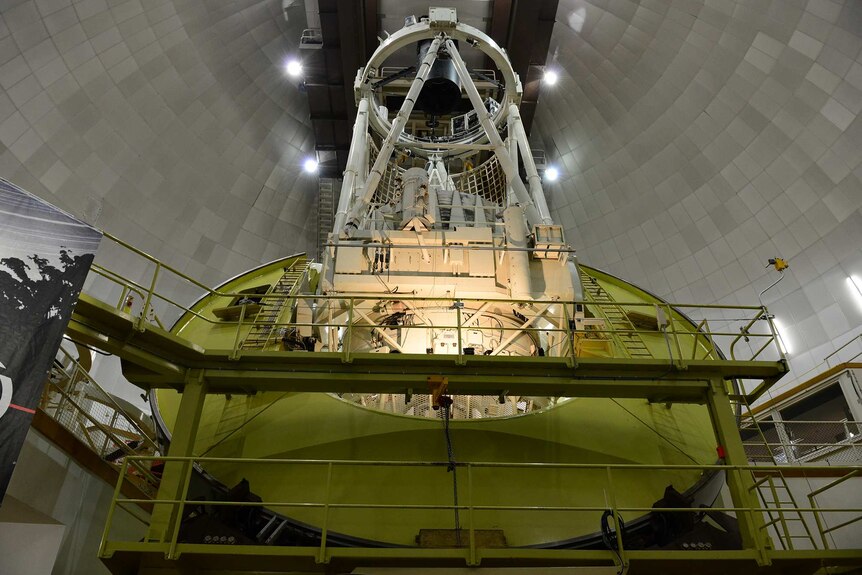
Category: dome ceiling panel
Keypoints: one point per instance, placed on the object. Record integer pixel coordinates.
(698, 139)
(169, 124)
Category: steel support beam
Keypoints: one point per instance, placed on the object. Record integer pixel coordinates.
(165, 521)
(361, 381)
(739, 482)
(500, 150)
(388, 144)
(204, 559)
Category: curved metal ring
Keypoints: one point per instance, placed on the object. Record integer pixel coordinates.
(421, 31)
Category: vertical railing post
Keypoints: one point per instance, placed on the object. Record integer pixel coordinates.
(234, 353)
(680, 361)
(142, 320)
(570, 334)
(181, 506)
(470, 525)
(324, 529)
(109, 520)
(818, 521)
(713, 354)
(615, 515)
(458, 327)
(347, 340)
(123, 297)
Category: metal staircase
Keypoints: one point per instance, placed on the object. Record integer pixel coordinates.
(624, 332)
(783, 510)
(325, 213)
(264, 329)
(778, 500)
(95, 420)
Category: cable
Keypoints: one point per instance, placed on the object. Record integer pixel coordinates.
(450, 454)
(674, 445)
(243, 424)
(610, 538)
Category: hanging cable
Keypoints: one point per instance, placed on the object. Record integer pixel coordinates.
(446, 408)
(243, 424)
(654, 430)
(610, 537)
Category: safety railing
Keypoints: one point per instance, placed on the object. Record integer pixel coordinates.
(349, 325)
(788, 442)
(460, 326)
(611, 480)
(77, 402)
(822, 527)
(311, 39)
(477, 74)
(487, 181)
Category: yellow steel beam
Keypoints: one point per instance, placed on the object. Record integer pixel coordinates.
(217, 559)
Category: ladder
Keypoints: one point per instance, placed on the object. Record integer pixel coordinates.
(325, 213)
(263, 330)
(623, 330)
(778, 500)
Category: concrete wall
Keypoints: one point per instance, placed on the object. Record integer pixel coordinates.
(47, 480)
(29, 540)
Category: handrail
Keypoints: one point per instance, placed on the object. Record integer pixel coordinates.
(817, 515)
(331, 465)
(842, 348)
(410, 297)
(114, 405)
(81, 412)
(829, 373)
(674, 331)
(795, 421)
(152, 293)
(71, 414)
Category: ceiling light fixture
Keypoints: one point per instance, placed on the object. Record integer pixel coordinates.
(783, 342)
(310, 165)
(855, 288)
(294, 68)
(550, 77)
(552, 174)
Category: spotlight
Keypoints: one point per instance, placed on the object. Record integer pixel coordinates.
(550, 77)
(552, 174)
(310, 165)
(294, 68)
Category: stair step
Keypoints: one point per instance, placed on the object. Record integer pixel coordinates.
(617, 318)
(262, 331)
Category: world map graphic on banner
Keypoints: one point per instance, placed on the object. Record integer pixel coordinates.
(45, 255)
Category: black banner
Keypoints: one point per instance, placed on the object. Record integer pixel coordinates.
(45, 255)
